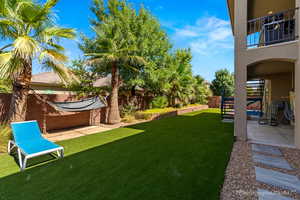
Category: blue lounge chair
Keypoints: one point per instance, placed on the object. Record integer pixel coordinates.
(30, 143)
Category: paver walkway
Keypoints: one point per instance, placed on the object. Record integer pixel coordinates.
(266, 149)
(277, 162)
(266, 195)
(272, 157)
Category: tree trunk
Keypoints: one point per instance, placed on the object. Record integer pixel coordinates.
(18, 104)
(114, 113)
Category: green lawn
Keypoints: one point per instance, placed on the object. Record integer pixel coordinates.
(178, 158)
(165, 110)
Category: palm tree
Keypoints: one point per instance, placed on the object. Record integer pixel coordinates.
(116, 56)
(179, 86)
(114, 49)
(32, 34)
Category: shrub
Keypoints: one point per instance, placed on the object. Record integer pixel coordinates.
(128, 110)
(5, 135)
(128, 119)
(159, 102)
(142, 116)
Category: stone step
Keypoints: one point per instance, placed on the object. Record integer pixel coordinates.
(266, 149)
(277, 162)
(267, 195)
(278, 179)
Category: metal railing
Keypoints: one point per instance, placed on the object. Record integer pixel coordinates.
(272, 29)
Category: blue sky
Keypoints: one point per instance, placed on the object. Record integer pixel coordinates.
(202, 25)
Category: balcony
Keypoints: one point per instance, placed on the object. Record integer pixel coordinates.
(272, 29)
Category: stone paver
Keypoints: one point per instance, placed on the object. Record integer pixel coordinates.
(277, 162)
(266, 149)
(278, 179)
(267, 195)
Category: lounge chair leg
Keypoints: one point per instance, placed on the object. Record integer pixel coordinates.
(24, 163)
(20, 159)
(61, 153)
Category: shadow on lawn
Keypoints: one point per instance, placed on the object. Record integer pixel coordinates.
(142, 127)
(172, 158)
(35, 161)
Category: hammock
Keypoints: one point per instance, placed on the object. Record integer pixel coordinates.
(79, 106)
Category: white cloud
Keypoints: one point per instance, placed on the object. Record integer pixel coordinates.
(208, 36)
(186, 33)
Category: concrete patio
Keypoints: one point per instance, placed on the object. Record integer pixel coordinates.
(282, 135)
(67, 134)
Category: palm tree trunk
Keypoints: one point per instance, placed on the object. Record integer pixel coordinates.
(18, 104)
(114, 113)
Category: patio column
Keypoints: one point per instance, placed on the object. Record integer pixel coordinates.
(240, 101)
(297, 104)
(297, 85)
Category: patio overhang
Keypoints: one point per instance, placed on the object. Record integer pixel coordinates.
(264, 69)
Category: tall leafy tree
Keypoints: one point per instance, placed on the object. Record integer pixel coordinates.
(180, 77)
(33, 35)
(113, 50)
(154, 46)
(201, 90)
(87, 77)
(223, 84)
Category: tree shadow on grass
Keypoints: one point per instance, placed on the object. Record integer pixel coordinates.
(175, 158)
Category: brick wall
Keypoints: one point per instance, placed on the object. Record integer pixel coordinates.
(49, 118)
(214, 102)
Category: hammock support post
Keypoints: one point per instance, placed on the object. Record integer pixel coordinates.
(44, 129)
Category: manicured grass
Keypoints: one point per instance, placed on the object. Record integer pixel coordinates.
(165, 110)
(180, 158)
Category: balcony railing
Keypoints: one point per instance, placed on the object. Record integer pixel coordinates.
(272, 29)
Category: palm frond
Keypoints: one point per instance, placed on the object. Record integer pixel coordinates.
(21, 5)
(134, 60)
(57, 32)
(26, 47)
(9, 65)
(62, 71)
(44, 12)
(7, 22)
(53, 55)
(4, 58)
(50, 4)
(56, 46)
(106, 60)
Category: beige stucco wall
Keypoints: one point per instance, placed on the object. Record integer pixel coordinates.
(281, 52)
(243, 58)
(281, 86)
(297, 88)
